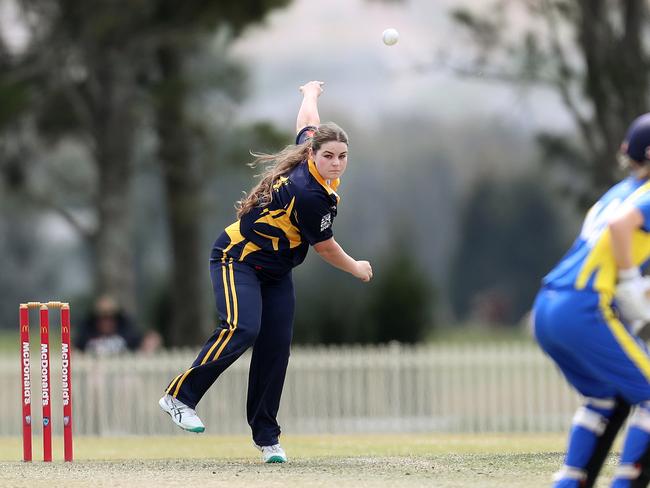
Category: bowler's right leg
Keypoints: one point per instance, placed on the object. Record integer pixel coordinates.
(239, 303)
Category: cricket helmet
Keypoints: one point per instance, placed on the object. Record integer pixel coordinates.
(636, 144)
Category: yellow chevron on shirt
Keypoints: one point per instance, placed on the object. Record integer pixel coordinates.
(235, 235)
(281, 219)
(275, 241)
(589, 264)
(601, 264)
(275, 235)
(249, 248)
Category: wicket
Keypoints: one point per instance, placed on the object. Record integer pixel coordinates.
(44, 367)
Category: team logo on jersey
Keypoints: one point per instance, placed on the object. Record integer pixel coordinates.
(282, 180)
(326, 222)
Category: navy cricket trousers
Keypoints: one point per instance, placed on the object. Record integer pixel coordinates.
(254, 310)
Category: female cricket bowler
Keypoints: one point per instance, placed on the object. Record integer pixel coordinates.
(587, 316)
(291, 208)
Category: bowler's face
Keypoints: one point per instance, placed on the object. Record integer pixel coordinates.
(331, 159)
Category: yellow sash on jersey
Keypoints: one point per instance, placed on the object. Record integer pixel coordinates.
(626, 340)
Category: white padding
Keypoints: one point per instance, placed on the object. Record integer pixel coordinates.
(627, 472)
(590, 420)
(603, 403)
(641, 419)
(570, 473)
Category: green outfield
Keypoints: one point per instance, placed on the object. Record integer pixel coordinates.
(434, 460)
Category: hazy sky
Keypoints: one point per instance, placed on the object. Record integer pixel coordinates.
(339, 42)
(14, 32)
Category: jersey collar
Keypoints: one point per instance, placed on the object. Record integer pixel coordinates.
(329, 188)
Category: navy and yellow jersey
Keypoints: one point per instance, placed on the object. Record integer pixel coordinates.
(275, 238)
(590, 264)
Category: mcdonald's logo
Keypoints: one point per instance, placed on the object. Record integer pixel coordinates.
(45, 330)
(24, 328)
(65, 329)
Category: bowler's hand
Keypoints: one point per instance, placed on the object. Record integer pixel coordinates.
(363, 271)
(313, 88)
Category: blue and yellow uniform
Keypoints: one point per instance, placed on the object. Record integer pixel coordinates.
(576, 323)
(587, 276)
(250, 267)
(275, 238)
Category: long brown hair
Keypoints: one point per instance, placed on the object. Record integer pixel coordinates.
(282, 162)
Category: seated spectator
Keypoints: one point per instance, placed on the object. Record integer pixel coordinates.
(109, 331)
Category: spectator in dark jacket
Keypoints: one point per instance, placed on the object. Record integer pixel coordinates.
(108, 330)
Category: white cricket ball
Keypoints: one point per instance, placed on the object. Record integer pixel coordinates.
(390, 36)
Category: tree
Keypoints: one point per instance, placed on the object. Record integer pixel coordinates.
(187, 24)
(400, 305)
(511, 232)
(77, 79)
(92, 74)
(593, 53)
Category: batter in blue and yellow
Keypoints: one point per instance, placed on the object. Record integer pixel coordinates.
(586, 318)
(291, 208)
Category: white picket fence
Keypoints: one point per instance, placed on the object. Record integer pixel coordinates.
(395, 388)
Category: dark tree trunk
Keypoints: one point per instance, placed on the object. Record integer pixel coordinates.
(112, 110)
(183, 186)
(616, 76)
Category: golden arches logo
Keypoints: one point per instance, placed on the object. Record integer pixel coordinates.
(24, 328)
(65, 329)
(45, 330)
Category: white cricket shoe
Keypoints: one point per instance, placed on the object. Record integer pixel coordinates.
(273, 454)
(182, 415)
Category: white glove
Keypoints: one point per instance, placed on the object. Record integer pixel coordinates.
(632, 296)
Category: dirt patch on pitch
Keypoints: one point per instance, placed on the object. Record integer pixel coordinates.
(448, 471)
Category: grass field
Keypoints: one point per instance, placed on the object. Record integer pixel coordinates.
(9, 342)
(398, 461)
